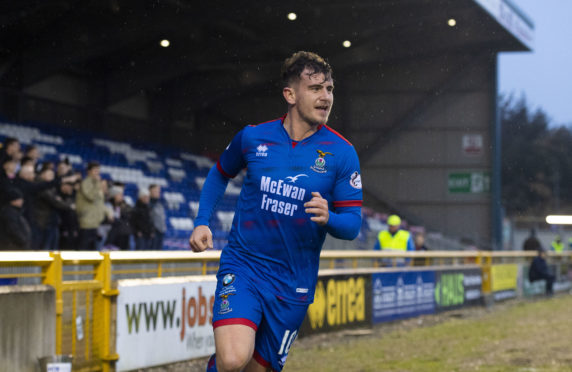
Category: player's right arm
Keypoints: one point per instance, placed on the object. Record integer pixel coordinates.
(229, 165)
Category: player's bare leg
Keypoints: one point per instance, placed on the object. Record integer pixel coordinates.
(234, 347)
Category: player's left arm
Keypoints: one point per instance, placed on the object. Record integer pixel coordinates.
(345, 221)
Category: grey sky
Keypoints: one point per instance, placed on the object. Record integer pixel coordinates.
(544, 76)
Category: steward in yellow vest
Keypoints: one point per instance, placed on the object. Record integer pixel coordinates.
(394, 238)
(557, 245)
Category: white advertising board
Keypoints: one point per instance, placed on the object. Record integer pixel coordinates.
(164, 320)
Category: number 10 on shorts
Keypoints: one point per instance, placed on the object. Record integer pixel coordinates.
(287, 341)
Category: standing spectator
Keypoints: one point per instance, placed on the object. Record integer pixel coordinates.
(532, 243)
(557, 245)
(10, 150)
(539, 270)
(47, 207)
(141, 222)
(30, 188)
(158, 217)
(15, 232)
(32, 155)
(69, 226)
(420, 242)
(7, 177)
(64, 168)
(90, 207)
(121, 225)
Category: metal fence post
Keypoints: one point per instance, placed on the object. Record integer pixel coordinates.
(53, 277)
(103, 275)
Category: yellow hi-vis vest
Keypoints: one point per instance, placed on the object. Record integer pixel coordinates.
(558, 247)
(397, 242)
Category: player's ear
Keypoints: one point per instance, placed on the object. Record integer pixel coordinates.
(289, 95)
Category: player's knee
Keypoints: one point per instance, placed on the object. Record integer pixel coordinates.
(231, 361)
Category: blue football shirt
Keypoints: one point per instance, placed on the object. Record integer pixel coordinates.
(271, 235)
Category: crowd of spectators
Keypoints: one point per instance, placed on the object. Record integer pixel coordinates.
(47, 206)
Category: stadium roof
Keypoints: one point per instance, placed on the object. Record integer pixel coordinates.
(223, 46)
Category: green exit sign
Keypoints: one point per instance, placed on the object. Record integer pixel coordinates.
(469, 183)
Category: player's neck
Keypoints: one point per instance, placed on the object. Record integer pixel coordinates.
(298, 128)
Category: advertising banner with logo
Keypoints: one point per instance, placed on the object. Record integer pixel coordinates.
(164, 320)
(456, 288)
(504, 280)
(398, 295)
(340, 302)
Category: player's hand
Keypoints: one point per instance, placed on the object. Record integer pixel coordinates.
(201, 239)
(318, 206)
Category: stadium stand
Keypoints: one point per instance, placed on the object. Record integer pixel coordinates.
(180, 174)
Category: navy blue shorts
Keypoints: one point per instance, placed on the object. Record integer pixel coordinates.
(238, 300)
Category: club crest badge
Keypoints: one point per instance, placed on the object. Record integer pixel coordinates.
(225, 304)
(320, 163)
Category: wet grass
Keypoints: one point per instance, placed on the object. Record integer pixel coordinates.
(518, 336)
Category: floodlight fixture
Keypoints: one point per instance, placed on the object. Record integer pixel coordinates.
(165, 43)
(347, 43)
(559, 220)
(452, 22)
(292, 16)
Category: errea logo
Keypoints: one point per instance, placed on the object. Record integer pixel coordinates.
(261, 150)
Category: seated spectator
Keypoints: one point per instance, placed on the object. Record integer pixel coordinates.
(121, 224)
(69, 225)
(90, 207)
(47, 207)
(32, 153)
(419, 242)
(15, 232)
(539, 270)
(158, 217)
(141, 222)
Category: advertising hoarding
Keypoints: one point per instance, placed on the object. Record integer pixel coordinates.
(403, 294)
(164, 320)
(340, 302)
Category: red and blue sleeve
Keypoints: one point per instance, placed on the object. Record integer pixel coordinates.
(345, 221)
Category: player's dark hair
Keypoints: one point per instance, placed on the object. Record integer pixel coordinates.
(294, 65)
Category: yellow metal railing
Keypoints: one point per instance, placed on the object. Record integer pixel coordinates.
(84, 284)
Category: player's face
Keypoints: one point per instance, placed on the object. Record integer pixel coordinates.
(314, 97)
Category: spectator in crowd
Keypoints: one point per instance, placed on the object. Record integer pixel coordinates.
(15, 232)
(47, 208)
(27, 161)
(419, 247)
(394, 239)
(158, 217)
(539, 270)
(121, 223)
(420, 242)
(30, 188)
(31, 156)
(105, 227)
(141, 221)
(531, 243)
(557, 245)
(10, 150)
(90, 207)
(7, 177)
(69, 226)
(64, 168)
